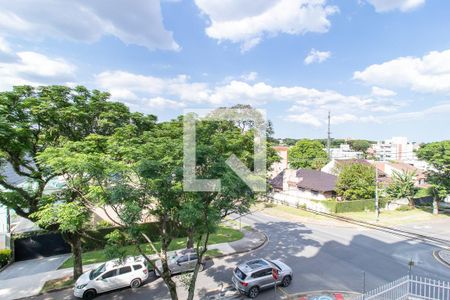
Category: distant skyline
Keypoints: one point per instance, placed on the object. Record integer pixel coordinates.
(381, 67)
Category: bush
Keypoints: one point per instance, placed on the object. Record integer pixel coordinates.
(5, 256)
(334, 206)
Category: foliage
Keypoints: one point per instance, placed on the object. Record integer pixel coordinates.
(334, 206)
(402, 186)
(359, 145)
(356, 181)
(437, 154)
(307, 154)
(404, 208)
(5, 256)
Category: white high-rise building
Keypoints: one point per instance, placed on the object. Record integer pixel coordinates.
(397, 148)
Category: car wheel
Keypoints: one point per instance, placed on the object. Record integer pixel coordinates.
(286, 281)
(253, 292)
(135, 283)
(89, 294)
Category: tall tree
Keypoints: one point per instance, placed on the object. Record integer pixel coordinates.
(356, 182)
(34, 119)
(307, 154)
(437, 154)
(402, 186)
(359, 145)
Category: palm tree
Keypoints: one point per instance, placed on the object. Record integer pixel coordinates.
(402, 186)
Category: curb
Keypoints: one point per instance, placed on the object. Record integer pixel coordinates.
(264, 242)
(438, 257)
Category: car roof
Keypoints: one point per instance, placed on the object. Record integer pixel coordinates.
(254, 265)
(115, 263)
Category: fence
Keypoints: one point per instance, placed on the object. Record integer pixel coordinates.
(410, 287)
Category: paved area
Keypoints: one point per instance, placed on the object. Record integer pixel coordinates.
(26, 278)
(444, 255)
(323, 258)
(33, 266)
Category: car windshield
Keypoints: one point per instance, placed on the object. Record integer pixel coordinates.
(96, 272)
(275, 265)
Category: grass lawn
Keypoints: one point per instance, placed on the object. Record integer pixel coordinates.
(213, 253)
(396, 217)
(223, 235)
(59, 283)
(288, 212)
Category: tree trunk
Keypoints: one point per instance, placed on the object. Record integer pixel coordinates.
(200, 253)
(435, 206)
(74, 240)
(190, 238)
(411, 202)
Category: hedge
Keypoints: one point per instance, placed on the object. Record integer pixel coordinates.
(96, 238)
(5, 256)
(334, 206)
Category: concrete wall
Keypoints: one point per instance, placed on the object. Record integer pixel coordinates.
(294, 200)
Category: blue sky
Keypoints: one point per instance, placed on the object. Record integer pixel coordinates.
(382, 67)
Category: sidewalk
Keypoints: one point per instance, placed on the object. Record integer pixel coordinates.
(444, 256)
(31, 285)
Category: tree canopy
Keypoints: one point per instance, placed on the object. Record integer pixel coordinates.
(307, 154)
(356, 182)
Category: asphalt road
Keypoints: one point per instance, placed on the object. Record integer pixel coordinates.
(322, 256)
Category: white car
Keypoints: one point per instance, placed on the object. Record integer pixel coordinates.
(111, 275)
(179, 262)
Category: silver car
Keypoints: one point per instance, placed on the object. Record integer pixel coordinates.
(255, 275)
(180, 261)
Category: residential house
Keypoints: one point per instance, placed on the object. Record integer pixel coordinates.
(305, 184)
(389, 168)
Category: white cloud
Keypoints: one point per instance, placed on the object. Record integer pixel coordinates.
(247, 22)
(251, 76)
(305, 118)
(316, 56)
(33, 68)
(140, 23)
(308, 106)
(389, 5)
(163, 103)
(442, 109)
(377, 91)
(427, 74)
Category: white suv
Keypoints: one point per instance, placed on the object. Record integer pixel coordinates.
(111, 275)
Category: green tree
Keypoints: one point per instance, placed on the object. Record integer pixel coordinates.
(307, 154)
(437, 154)
(402, 186)
(356, 182)
(359, 145)
(35, 119)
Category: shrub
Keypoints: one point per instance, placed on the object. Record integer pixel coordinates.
(5, 256)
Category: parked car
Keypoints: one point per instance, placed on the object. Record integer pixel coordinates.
(255, 275)
(181, 261)
(112, 275)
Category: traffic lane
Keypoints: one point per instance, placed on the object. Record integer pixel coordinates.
(326, 257)
(152, 288)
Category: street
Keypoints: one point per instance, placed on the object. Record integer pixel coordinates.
(323, 257)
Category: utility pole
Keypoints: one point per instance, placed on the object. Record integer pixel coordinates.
(377, 206)
(329, 136)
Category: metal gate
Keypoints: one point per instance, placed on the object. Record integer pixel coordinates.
(38, 246)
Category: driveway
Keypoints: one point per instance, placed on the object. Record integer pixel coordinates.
(25, 277)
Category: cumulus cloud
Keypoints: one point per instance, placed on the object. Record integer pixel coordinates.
(389, 5)
(316, 56)
(307, 105)
(248, 22)
(32, 68)
(87, 21)
(427, 74)
(377, 91)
